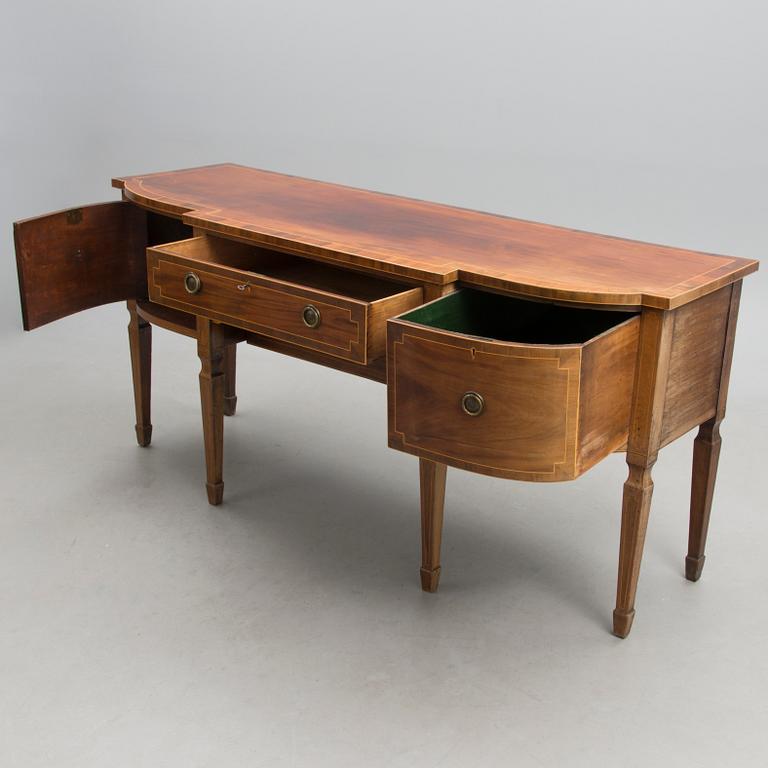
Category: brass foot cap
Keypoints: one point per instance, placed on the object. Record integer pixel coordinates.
(230, 404)
(143, 435)
(693, 567)
(215, 493)
(622, 622)
(430, 579)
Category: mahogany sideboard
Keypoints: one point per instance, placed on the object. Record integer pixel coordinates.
(510, 348)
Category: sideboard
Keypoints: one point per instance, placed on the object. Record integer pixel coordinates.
(509, 348)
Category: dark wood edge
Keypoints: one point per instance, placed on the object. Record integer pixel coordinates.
(157, 205)
(119, 181)
(20, 276)
(51, 214)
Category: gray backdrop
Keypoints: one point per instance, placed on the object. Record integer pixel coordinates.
(141, 627)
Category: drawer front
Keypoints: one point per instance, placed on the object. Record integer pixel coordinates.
(80, 258)
(526, 427)
(265, 306)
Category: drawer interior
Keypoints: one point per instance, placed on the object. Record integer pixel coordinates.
(284, 266)
(165, 229)
(507, 318)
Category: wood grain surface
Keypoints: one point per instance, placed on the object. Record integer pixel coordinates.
(550, 411)
(430, 242)
(80, 258)
(244, 288)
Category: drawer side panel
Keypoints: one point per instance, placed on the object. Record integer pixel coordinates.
(608, 373)
(698, 341)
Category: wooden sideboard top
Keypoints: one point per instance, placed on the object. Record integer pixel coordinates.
(431, 242)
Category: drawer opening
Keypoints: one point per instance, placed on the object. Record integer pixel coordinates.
(288, 268)
(507, 318)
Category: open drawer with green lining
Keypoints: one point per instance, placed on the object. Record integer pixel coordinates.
(510, 387)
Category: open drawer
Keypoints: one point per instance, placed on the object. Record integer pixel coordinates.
(510, 387)
(307, 303)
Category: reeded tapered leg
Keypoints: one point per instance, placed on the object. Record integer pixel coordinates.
(432, 481)
(210, 349)
(140, 339)
(706, 452)
(655, 345)
(230, 366)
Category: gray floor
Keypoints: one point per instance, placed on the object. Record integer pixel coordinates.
(141, 627)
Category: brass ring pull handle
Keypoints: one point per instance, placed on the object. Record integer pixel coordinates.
(311, 316)
(192, 283)
(472, 403)
(244, 286)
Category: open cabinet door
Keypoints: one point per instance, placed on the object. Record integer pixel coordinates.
(80, 258)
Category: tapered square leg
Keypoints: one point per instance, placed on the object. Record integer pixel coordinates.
(140, 340)
(210, 349)
(706, 452)
(432, 482)
(655, 345)
(230, 367)
(636, 507)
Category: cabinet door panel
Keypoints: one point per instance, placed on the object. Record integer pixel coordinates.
(80, 258)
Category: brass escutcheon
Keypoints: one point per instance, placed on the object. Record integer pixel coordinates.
(472, 403)
(311, 316)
